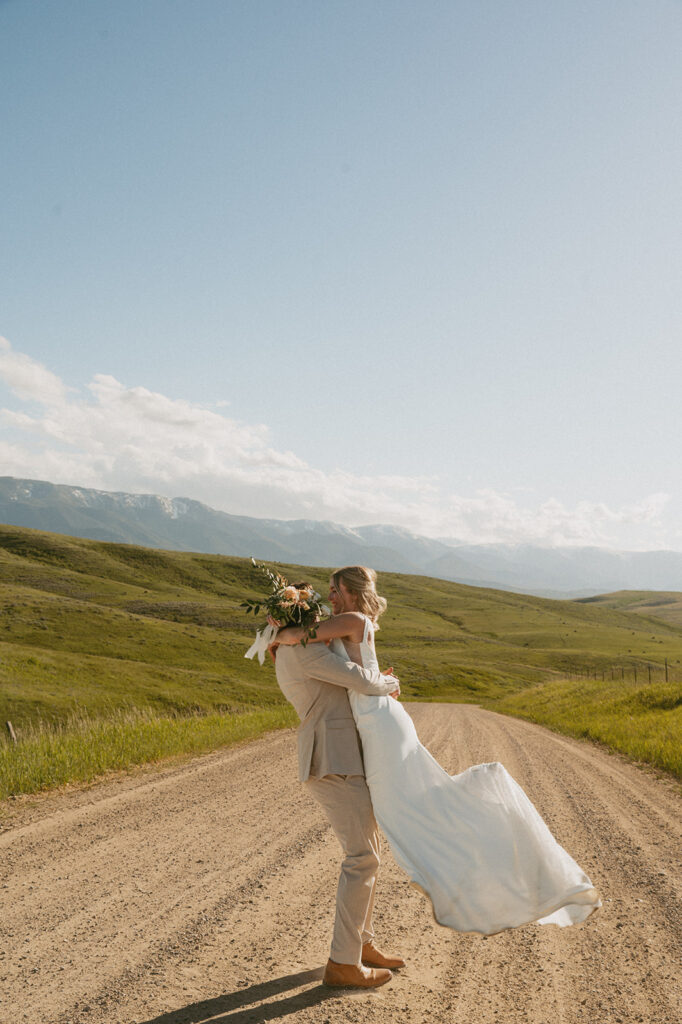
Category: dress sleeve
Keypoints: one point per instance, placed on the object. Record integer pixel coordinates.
(329, 668)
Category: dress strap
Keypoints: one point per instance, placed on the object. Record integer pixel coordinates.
(368, 624)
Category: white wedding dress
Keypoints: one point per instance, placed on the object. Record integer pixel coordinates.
(473, 842)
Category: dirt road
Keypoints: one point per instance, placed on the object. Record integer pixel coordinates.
(205, 892)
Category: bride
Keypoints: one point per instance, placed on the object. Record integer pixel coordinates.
(473, 842)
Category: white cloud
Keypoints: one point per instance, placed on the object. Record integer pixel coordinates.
(130, 438)
(29, 379)
(490, 517)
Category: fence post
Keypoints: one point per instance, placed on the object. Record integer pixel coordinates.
(666, 670)
(649, 668)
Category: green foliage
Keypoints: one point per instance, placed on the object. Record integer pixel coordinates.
(296, 604)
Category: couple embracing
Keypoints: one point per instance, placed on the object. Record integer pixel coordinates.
(473, 843)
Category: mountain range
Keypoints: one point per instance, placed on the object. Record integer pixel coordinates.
(182, 524)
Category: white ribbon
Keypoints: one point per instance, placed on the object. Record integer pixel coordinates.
(261, 643)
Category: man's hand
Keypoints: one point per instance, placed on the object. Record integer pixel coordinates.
(272, 651)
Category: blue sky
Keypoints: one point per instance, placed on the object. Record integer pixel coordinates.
(415, 263)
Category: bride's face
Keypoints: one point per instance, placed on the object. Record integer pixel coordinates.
(340, 598)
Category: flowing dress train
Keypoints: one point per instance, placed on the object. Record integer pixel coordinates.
(473, 843)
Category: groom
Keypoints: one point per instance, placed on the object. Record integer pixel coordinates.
(316, 682)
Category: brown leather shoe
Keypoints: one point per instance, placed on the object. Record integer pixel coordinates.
(352, 976)
(375, 958)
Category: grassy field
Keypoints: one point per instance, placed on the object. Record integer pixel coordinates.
(82, 749)
(641, 720)
(95, 634)
(656, 604)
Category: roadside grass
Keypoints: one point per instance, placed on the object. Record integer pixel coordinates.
(94, 633)
(642, 721)
(81, 749)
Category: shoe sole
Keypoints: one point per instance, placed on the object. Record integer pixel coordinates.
(346, 984)
(383, 967)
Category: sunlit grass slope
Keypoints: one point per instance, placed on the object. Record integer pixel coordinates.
(655, 604)
(94, 630)
(93, 626)
(641, 720)
(457, 642)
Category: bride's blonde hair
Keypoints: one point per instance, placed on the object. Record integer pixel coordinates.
(361, 583)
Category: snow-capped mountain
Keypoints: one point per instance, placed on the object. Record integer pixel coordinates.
(186, 525)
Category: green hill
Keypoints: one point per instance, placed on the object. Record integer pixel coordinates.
(654, 604)
(91, 630)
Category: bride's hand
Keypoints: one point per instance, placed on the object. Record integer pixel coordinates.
(396, 692)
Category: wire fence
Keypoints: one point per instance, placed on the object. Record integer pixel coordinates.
(628, 671)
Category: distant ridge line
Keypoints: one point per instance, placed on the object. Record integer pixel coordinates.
(185, 524)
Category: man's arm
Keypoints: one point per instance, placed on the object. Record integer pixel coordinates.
(330, 668)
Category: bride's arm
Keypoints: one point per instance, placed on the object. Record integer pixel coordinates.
(348, 625)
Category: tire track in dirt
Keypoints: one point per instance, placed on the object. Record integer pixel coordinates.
(205, 891)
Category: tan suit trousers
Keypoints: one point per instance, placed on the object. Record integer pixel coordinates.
(346, 802)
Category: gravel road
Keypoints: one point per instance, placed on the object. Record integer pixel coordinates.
(205, 892)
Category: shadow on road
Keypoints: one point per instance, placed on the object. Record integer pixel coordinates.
(231, 1008)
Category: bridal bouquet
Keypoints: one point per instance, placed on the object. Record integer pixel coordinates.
(291, 604)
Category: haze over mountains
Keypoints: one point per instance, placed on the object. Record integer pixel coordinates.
(185, 525)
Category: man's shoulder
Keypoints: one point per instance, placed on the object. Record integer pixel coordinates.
(298, 657)
(310, 650)
(304, 655)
